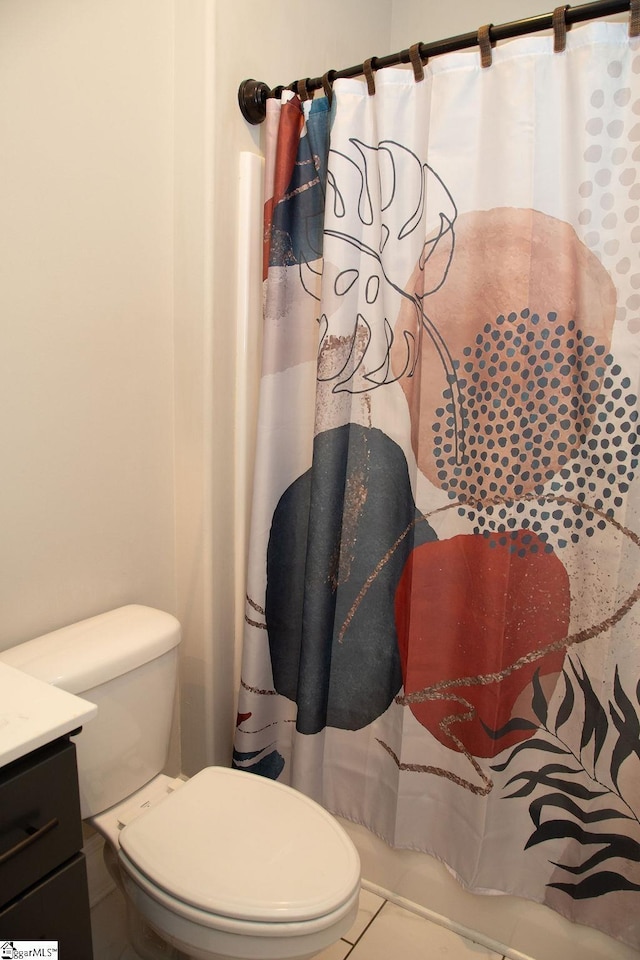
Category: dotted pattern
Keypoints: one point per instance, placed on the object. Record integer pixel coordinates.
(540, 411)
(611, 194)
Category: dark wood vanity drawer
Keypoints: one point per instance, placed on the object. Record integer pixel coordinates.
(39, 816)
(57, 908)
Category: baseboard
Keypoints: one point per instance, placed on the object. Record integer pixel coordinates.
(467, 932)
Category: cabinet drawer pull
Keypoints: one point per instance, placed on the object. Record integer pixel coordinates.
(28, 840)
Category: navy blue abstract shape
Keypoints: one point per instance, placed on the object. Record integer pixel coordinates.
(340, 538)
(270, 766)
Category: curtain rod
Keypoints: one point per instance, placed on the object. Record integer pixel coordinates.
(253, 94)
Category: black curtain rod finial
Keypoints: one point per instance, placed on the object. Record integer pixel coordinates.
(252, 100)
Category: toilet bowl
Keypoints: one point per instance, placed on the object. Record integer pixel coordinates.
(225, 866)
(231, 865)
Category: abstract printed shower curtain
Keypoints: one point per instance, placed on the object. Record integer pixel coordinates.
(443, 627)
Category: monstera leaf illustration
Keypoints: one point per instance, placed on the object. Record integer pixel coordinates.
(372, 230)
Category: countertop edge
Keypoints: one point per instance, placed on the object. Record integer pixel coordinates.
(33, 713)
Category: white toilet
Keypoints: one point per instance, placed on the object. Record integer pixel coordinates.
(224, 865)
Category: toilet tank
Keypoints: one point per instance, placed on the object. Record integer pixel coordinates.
(125, 661)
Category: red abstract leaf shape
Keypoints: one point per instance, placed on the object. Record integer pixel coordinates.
(474, 618)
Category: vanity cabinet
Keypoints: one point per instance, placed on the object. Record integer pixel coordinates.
(43, 881)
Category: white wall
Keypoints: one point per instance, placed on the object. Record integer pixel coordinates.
(86, 352)
(415, 20)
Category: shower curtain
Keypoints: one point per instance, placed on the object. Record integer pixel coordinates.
(442, 629)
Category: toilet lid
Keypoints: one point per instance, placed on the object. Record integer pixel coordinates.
(239, 845)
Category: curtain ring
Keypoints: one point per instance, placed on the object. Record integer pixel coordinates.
(302, 90)
(368, 68)
(560, 29)
(634, 19)
(277, 92)
(485, 44)
(416, 62)
(327, 84)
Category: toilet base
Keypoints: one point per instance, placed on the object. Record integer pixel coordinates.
(145, 943)
(223, 945)
(150, 943)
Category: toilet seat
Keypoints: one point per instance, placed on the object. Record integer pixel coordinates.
(231, 925)
(238, 851)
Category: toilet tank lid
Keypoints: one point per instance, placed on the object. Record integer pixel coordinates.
(85, 654)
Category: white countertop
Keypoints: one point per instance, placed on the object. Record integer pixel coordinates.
(33, 713)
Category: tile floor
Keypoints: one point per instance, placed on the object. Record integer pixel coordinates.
(382, 931)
